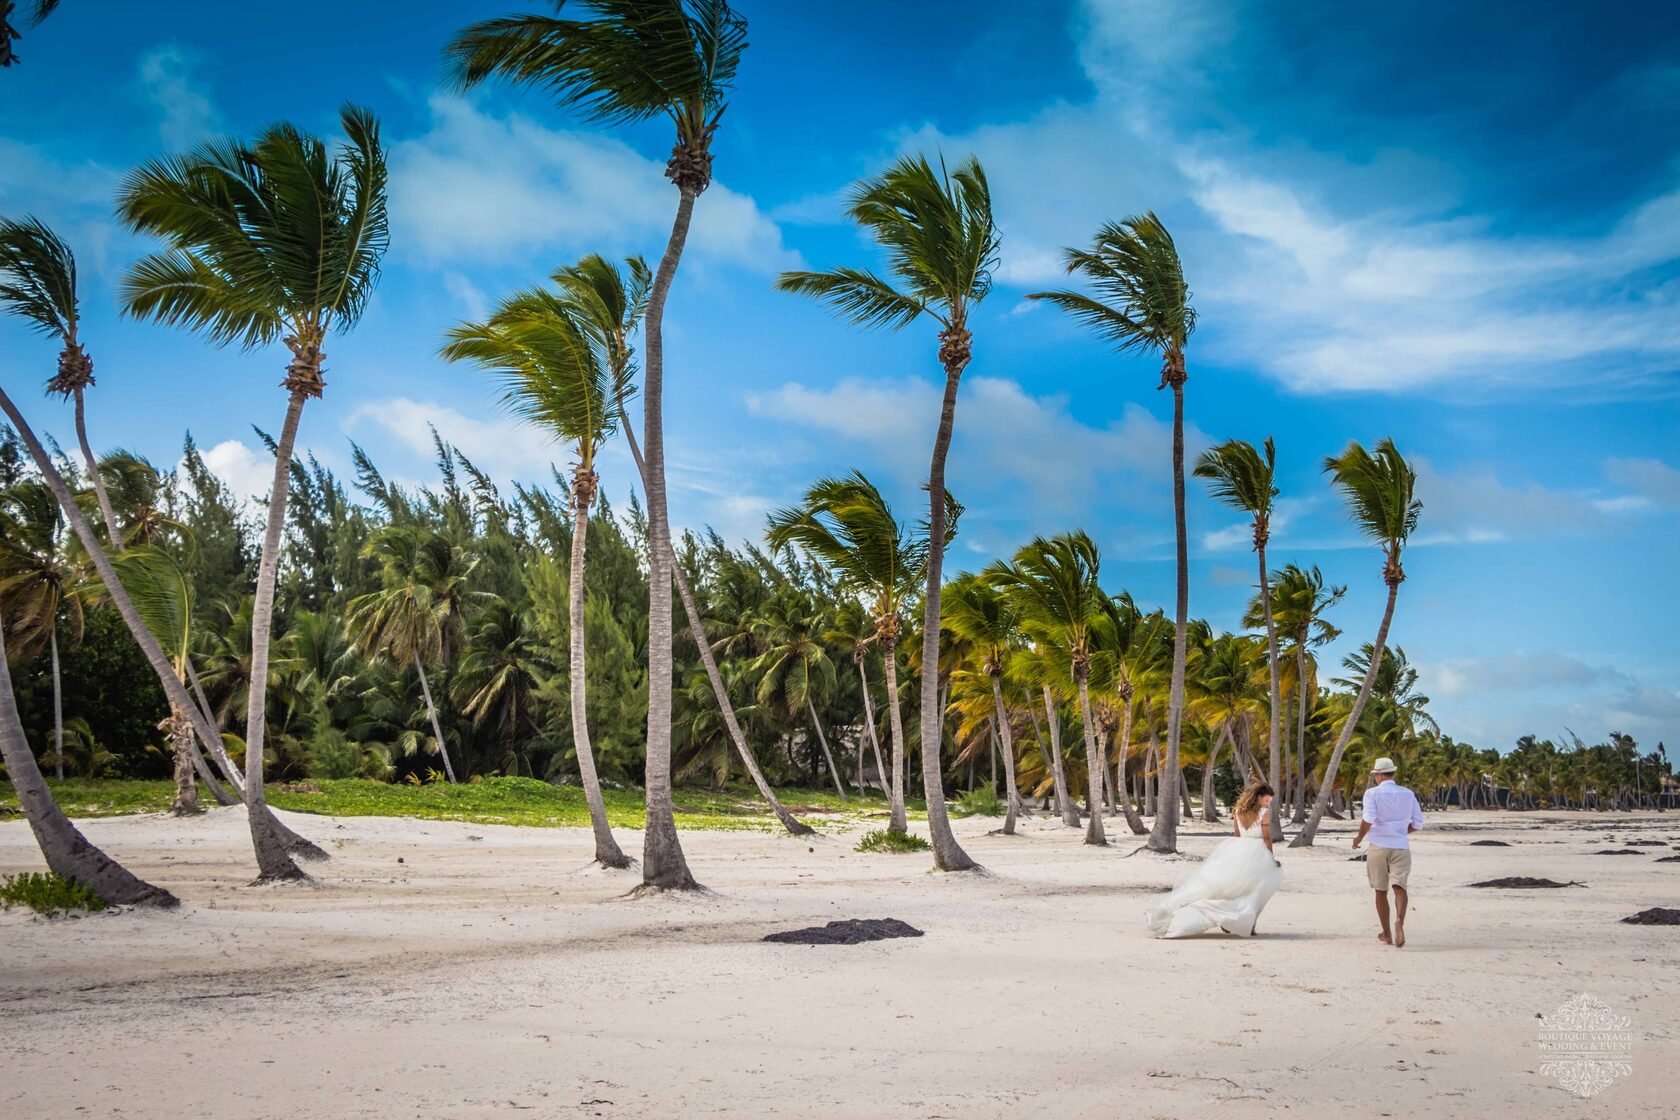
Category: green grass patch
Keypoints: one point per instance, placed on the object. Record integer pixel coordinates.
(48, 894)
(881, 840)
(513, 801)
(978, 803)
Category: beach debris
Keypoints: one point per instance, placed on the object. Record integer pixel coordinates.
(1490, 844)
(850, 931)
(1523, 883)
(1655, 916)
(1668, 859)
(1618, 852)
(1360, 858)
(1644, 843)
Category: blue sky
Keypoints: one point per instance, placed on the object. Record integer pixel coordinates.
(1455, 225)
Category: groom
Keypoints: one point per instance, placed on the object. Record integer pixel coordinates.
(1390, 814)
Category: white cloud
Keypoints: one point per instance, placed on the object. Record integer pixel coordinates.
(1653, 482)
(247, 472)
(474, 305)
(1492, 699)
(483, 187)
(502, 447)
(1515, 671)
(186, 113)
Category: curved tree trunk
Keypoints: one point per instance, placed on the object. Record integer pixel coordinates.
(66, 850)
(874, 738)
(607, 851)
(1012, 793)
(828, 755)
(697, 630)
(217, 748)
(1274, 737)
(1164, 836)
(98, 482)
(58, 704)
(1210, 810)
(262, 819)
(431, 714)
(208, 776)
(1094, 767)
(1305, 838)
(664, 867)
(1065, 804)
(948, 855)
(1300, 816)
(1133, 821)
(898, 820)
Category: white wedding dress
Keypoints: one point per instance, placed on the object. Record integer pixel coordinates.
(1226, 892)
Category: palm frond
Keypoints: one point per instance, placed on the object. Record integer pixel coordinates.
(38, 277)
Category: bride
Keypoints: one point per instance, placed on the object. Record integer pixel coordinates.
(1230, 888)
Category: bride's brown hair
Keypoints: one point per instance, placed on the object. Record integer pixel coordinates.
(1248, 801)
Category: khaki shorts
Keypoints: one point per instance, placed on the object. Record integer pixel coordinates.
(1388, 867)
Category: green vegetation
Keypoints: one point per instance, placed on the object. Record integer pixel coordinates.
(48, 894)
(979, 803)
(883, 840)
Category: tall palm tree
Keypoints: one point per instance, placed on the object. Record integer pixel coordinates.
(853, 632)
(1143, 304)
(1054, 586)
(38, 283)
(1379, 489)
(941, 244)
(1300, 599)
(40, 11)
(554, 373)
(795, 669)
(405, 622)
(636, 60)
(845, 524)
(1129, 664)
(38, 583)
(1241, 477)
(981, 615)
(277, 240)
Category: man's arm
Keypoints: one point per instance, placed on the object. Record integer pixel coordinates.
(1364, 827)
(1417, 816)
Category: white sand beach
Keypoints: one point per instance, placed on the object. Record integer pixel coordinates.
(460, 970)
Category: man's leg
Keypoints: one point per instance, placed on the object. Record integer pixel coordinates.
(1399, 916)
(1385, 936)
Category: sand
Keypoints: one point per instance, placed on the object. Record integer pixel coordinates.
(489, 973)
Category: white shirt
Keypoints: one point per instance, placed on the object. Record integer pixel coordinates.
(1389, 807)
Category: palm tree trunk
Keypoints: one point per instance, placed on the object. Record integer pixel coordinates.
(431, 714)
(94, 477)
(58, 704)
(1184, 795)
(1133, 821)
(607, 851)
(1300, 815)
(263, 819)
(898, 819)
(1094, 767)
(1058, 769)
(217, 748)
(947, 853)
(1164, 837)
(664, 867)
(207, 775)
(1310, 829)
(697, 630)
(1012, 794)
(828, 755)
(1274, 774)
(66, 850)
(874, 739)
(1210, 811)
(1151, 773)
(186, 780)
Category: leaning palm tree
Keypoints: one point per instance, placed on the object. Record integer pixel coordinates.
(38, 582)
(636, 60)
(277, 240)
(1242, 478)
(1143, 304)
(555, 375)
(38, 283)
(941, 244)
(404, 622)
(1054, 586)
(985, 618)
(1379, 490)
(845, 524)
(8, 33)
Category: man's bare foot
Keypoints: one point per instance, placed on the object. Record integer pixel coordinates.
(1399, 937)
(1385, 938)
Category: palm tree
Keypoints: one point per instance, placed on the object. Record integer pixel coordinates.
(982, 616)
(1054, 586)
(854, 632)
(1143, 304)
(41, 10)
(38, 283)
(272, 241)
(1379, 490)
(555, 375)
(1242, 478)
(637, 60)
(794, 668)
(1128, 664)
(499, 671)
(845, 524)
(1223, 682)
(1299, 602)
(38, 582)
(941, 244)
(405, 622)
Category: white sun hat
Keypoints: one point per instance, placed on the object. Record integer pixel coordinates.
(1383, 766)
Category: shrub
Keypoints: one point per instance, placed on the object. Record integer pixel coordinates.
(980, 803)
(333, 754)
(48, 894)
(882, 840)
